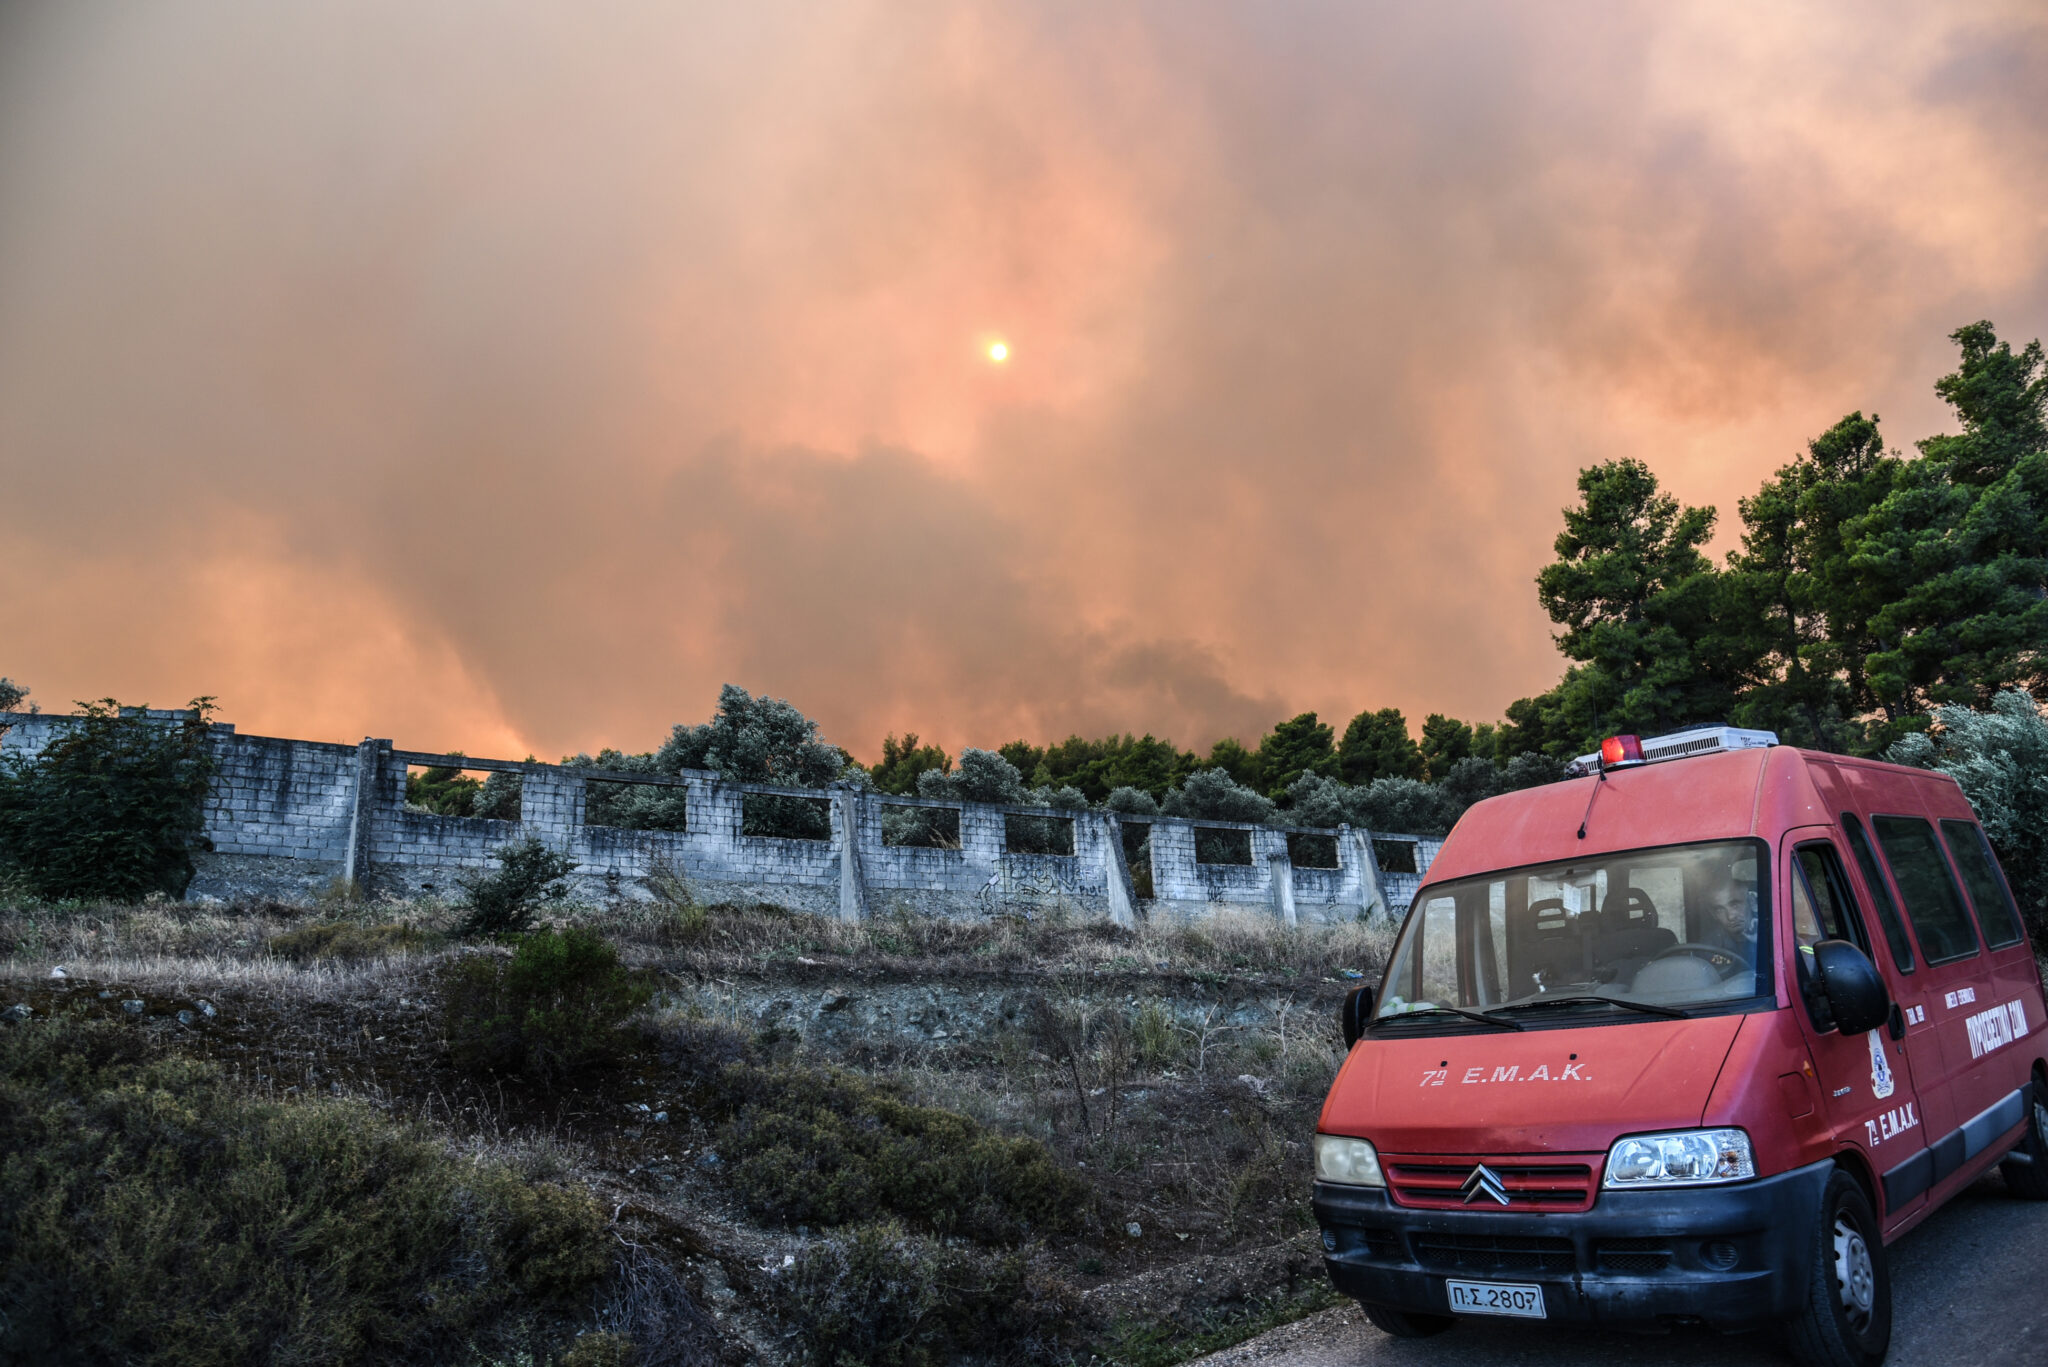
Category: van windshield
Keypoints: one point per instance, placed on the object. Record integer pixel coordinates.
(1675, 929)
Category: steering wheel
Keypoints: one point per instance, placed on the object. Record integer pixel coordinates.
(1726, 962)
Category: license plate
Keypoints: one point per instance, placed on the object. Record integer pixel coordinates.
(1496, 1298)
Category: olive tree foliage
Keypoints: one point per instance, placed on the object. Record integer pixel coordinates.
(1406, 805)
(1213, 795)
(1065, 797)
(12, 695)
(980, 776)
(754, 740)
(1128, 801)
(749, 739)
(2000, 758)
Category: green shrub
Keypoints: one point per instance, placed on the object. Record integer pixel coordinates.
(828, 1148)
(1156, 1036)
(347, 941)
(552, 1008)
(152, 1212)
(883, 1297)
(529, 876)
(682, 917)
(111, 809)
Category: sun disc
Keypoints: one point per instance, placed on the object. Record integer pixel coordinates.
(998, 352)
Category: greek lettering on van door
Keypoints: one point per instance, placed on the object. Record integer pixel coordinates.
(1996, 1028)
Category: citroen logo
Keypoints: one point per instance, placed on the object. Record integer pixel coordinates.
(1484, 1182)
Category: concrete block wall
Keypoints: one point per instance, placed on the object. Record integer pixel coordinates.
(289, 817)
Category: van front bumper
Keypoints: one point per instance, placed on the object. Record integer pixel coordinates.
(1732, 1257)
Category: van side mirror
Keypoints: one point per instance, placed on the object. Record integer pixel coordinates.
(1856, 994)
(1355, 1012)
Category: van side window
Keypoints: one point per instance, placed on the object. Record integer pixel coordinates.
(1831, 909)
(1820, 911)
(1806, 931)
(1933, 902)
(1873, 878)
(1995, 914)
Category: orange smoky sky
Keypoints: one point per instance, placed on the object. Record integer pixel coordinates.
(505, 375)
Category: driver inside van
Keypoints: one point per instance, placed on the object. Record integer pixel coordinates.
(1730, 919)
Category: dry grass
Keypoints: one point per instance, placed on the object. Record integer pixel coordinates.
(724, 938)
(186, 975)
(57, 934)
(245, 941)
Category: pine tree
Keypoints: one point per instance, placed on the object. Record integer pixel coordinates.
(1377, 745)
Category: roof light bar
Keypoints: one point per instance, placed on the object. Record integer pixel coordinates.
(1619, 750)
(1700, 740)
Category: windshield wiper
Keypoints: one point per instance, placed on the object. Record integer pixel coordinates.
(1590, 999)
(1481, 1017)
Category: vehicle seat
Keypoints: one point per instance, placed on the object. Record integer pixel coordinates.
(1629, 932)
(1560, 952)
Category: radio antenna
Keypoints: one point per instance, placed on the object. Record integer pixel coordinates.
(1589, 799)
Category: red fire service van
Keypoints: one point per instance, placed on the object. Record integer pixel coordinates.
(1685, 1040)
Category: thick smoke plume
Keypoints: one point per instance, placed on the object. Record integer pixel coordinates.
(507, 375)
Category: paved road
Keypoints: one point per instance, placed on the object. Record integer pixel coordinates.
(1969, 1289)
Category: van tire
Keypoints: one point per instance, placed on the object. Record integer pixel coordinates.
(2029, 1181)
(1844, 1324)
(1405, 1324)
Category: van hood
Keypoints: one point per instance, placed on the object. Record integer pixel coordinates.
(1550, 1089)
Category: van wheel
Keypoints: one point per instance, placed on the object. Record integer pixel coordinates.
(2029, 1181)
(1847, 1321)
(1405, 1324)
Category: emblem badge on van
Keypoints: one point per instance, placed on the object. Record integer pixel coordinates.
(1484, 1182)
(1880, 1068)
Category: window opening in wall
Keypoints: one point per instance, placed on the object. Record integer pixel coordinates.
(920, 828)
(1222, 845)
(1312, 849)
(1137, 837)
(635, 806)
(446, 791)
(1037, 834)
(785, 818)
(1395, 856)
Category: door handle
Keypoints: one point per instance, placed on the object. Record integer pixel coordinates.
(1897, 1023)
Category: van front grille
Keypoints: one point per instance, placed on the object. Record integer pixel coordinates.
(1553, 1183)
(1382, 1245)
(1494, 1253)
(1633, 1255)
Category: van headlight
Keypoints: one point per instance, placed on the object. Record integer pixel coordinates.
(1687, 1158)
(1353, 1162)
